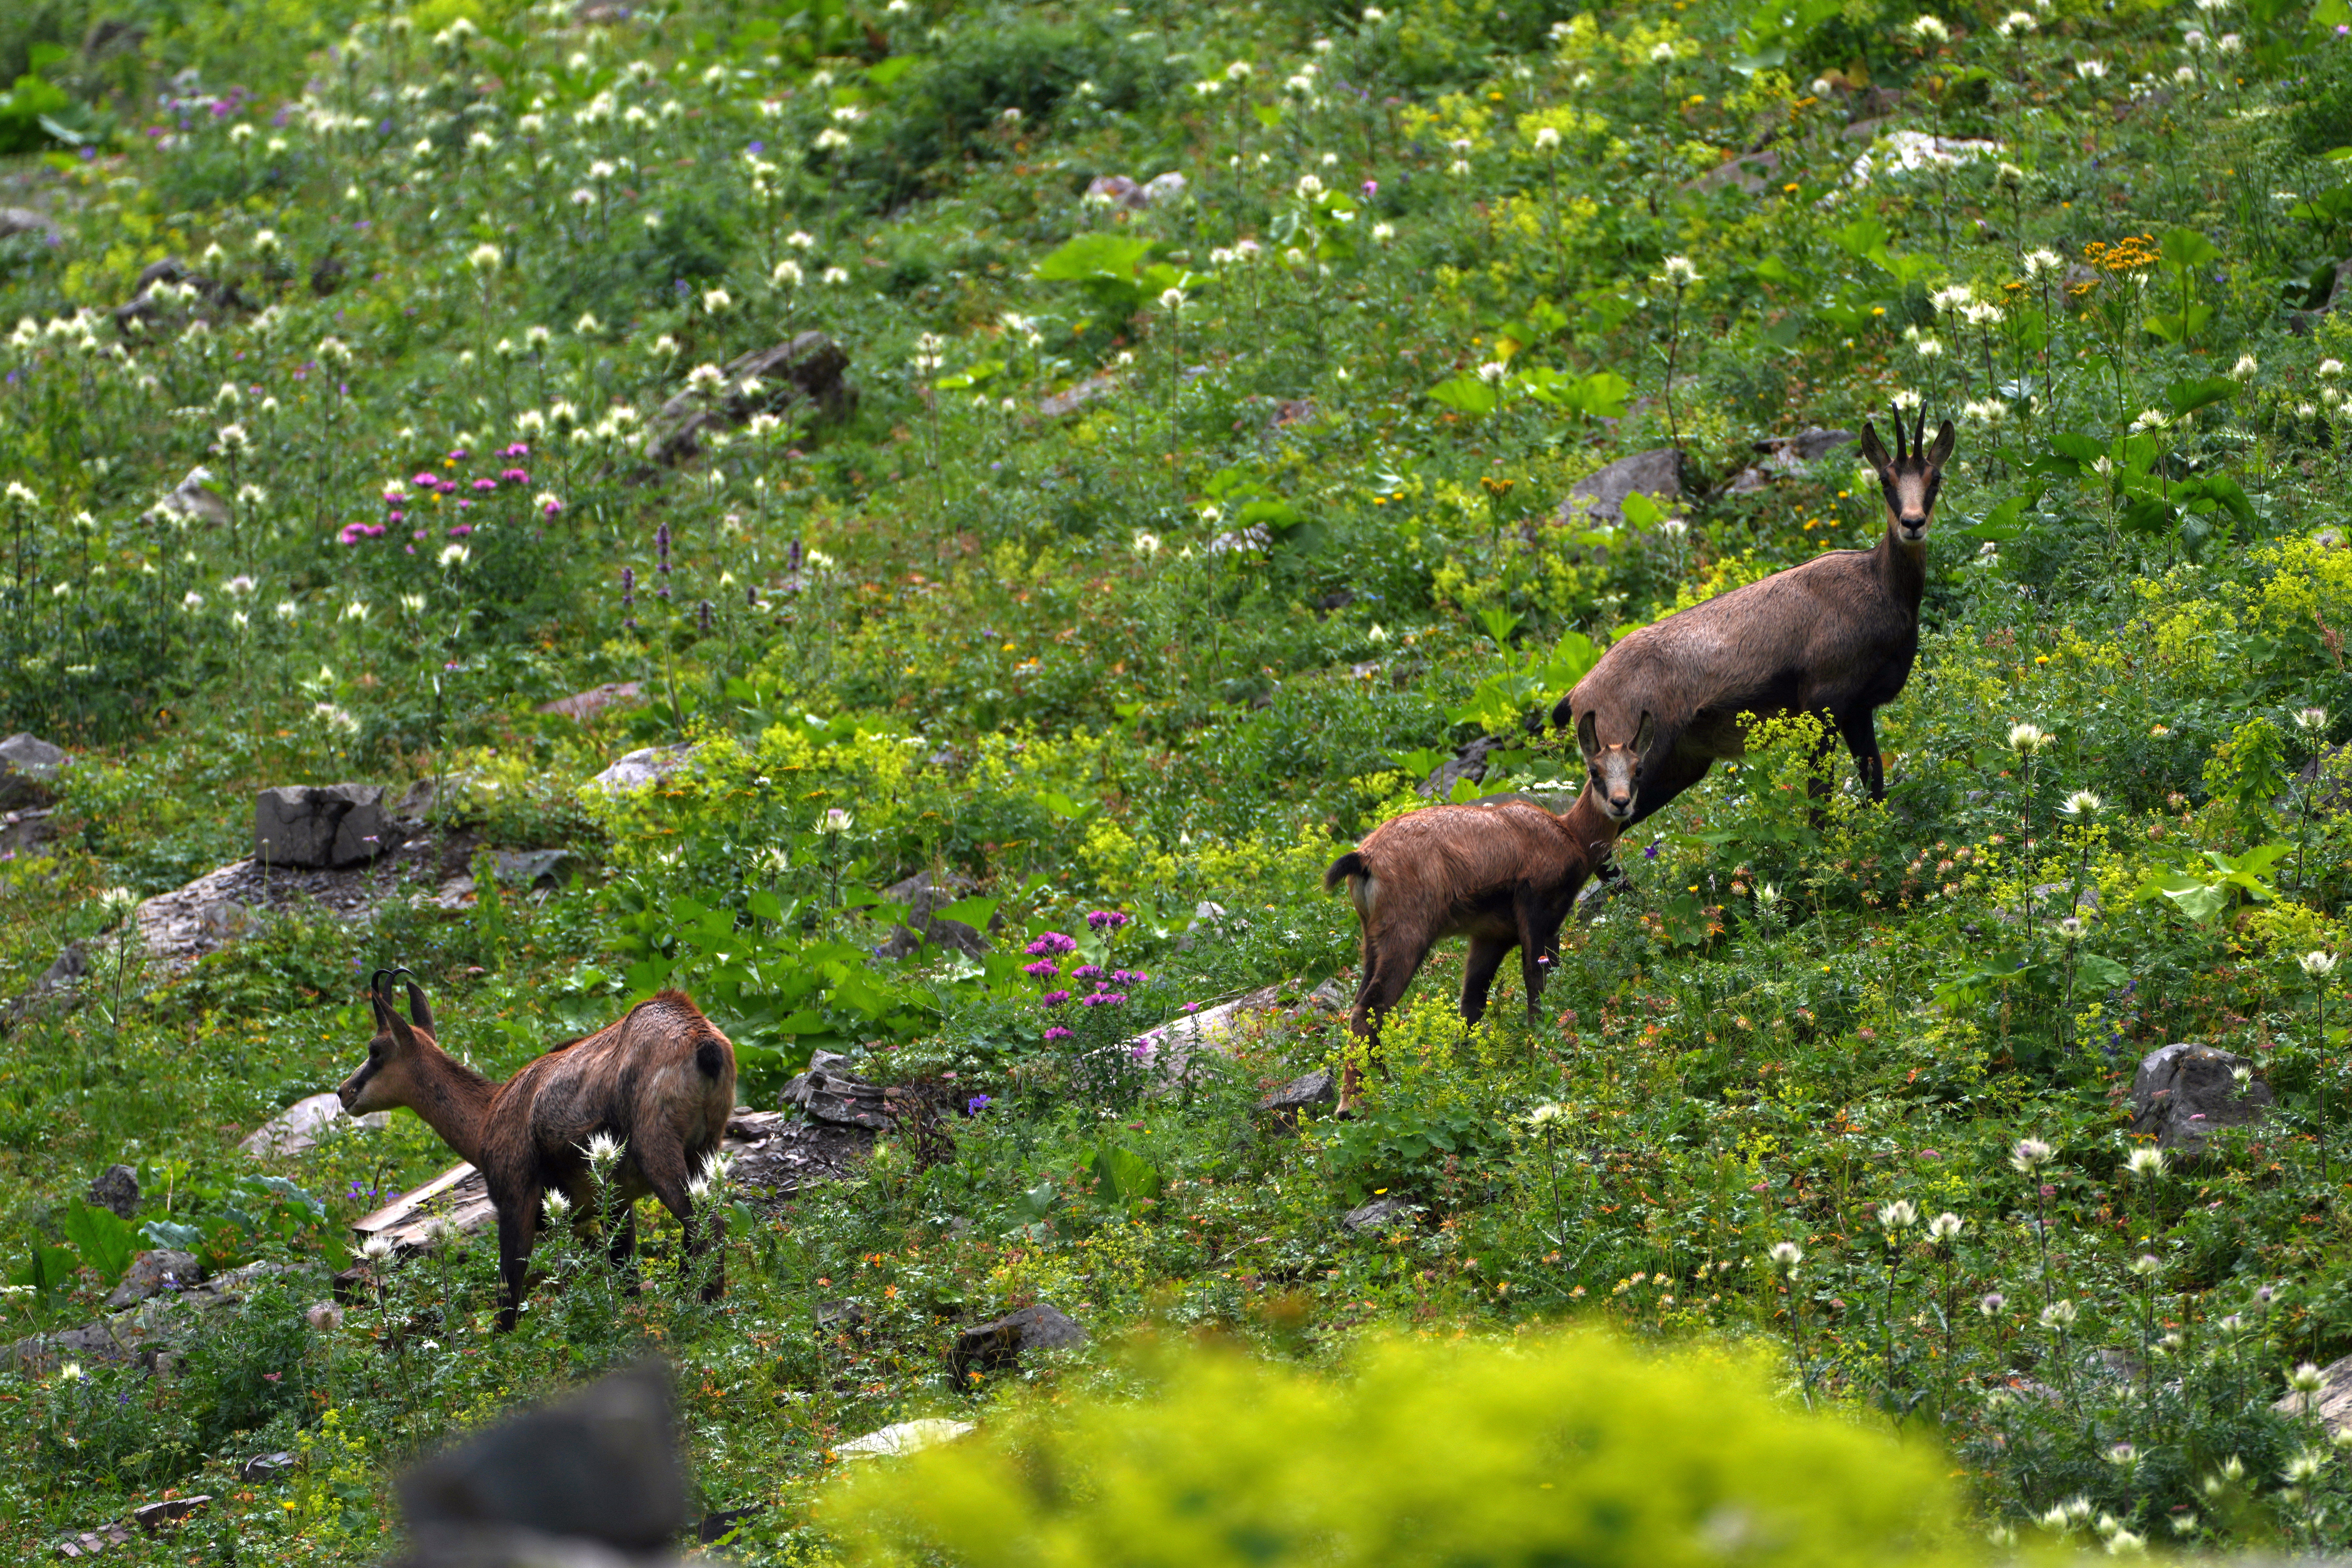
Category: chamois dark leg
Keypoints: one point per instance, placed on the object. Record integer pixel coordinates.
(621, 1246)
(518, 1228)
(1860, 732)
(663, 1165)
(1487, 955)
(1817, 783)
(1387, 972)
(1536, 942)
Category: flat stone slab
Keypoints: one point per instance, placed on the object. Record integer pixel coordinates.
(301, 1124)
(904, 1437)
(2332, 1402)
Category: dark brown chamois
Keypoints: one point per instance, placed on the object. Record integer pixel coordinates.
(1503, 871)
(1834, 636)
(659, 1083)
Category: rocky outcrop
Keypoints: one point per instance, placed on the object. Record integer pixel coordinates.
(29, 767)
(308, 826)
(803, 379)
(988, 1347)
(1598, 498)
(2184, 1093)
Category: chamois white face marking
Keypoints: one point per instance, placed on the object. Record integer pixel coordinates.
(1613, 771)
(1910, 478)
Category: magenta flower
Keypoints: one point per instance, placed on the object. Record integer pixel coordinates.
(395, 515)
(1057, 1033)
(1087, 971)
(483, 487)
(1052, 942)
(1103, 999)
(353, 532)
(513, 477)
(1372, 188)
(551, 506)
(1106, 919)
(1053, 998)
(458, 455)
(1143, 1050)
(427, 481)
(519, 450)
(461, 529)
(1044, 969)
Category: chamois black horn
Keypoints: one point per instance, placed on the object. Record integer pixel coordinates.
(1897, 410)
(1919, 432)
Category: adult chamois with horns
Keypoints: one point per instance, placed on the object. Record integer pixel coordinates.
(1835, 637)
(1503, 871)
(660, 1084)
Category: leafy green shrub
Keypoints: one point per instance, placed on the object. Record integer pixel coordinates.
(1567, 1449)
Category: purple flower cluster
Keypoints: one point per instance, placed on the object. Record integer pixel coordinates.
(353, 532)
(1107, 920)
(1051, 944)
(1103, 999)
(1057, 1033)
(1044, 969)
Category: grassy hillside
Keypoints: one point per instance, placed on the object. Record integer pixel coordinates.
(1188, 487)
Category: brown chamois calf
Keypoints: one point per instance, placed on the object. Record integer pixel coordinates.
(1503, 871)
(1835, 637)
(660, 1082)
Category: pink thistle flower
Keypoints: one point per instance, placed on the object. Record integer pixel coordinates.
(483, 487)
(1057, 1033)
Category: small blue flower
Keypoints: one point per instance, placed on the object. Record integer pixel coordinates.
(1651, 853)
(975, 1105)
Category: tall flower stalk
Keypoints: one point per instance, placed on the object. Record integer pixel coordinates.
(1785, 1257)
(1894, 1218)
(2027, 1160)
(2318, 966)
(1680, 276)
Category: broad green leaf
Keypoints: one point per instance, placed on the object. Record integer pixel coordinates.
(1468, 394)
(104, 1238)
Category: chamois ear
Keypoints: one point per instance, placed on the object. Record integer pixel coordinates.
(1940, 451)
(418, 1013)
(1873, 451)
(1644, 733)
(1588, 732)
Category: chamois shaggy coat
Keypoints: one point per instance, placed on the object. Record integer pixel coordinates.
(1503, 871)
(1834, 636)
(660, 1081)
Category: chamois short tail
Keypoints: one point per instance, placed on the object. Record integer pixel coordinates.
(1351, 864)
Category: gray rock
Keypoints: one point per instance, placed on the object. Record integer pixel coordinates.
(152, 1273)
(22, 832)
(827, 1094)
(531, 868)
(802, 378)
(2332, 1403)
(2324, 786)
(1119, 191)
(990, 1346)
(1300, 1095)
(116, 1188)
(1751, 171)
(2183, 1093)
(46, 1352)
(301, 1125)
(1380, 1214)
(638, 769)
(1077, 395)
(844, 1314)
(586, 705)
(1469, 763)
(1334, 996)
(602, 1464)
(266, 1467)
(29, 767)
(921, 897)
(1162, 190)
(213, 300)
(310, 826)
(71, 965)
(1790, 454)
(1599, 497)
(15, 221)
(153, 1515)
